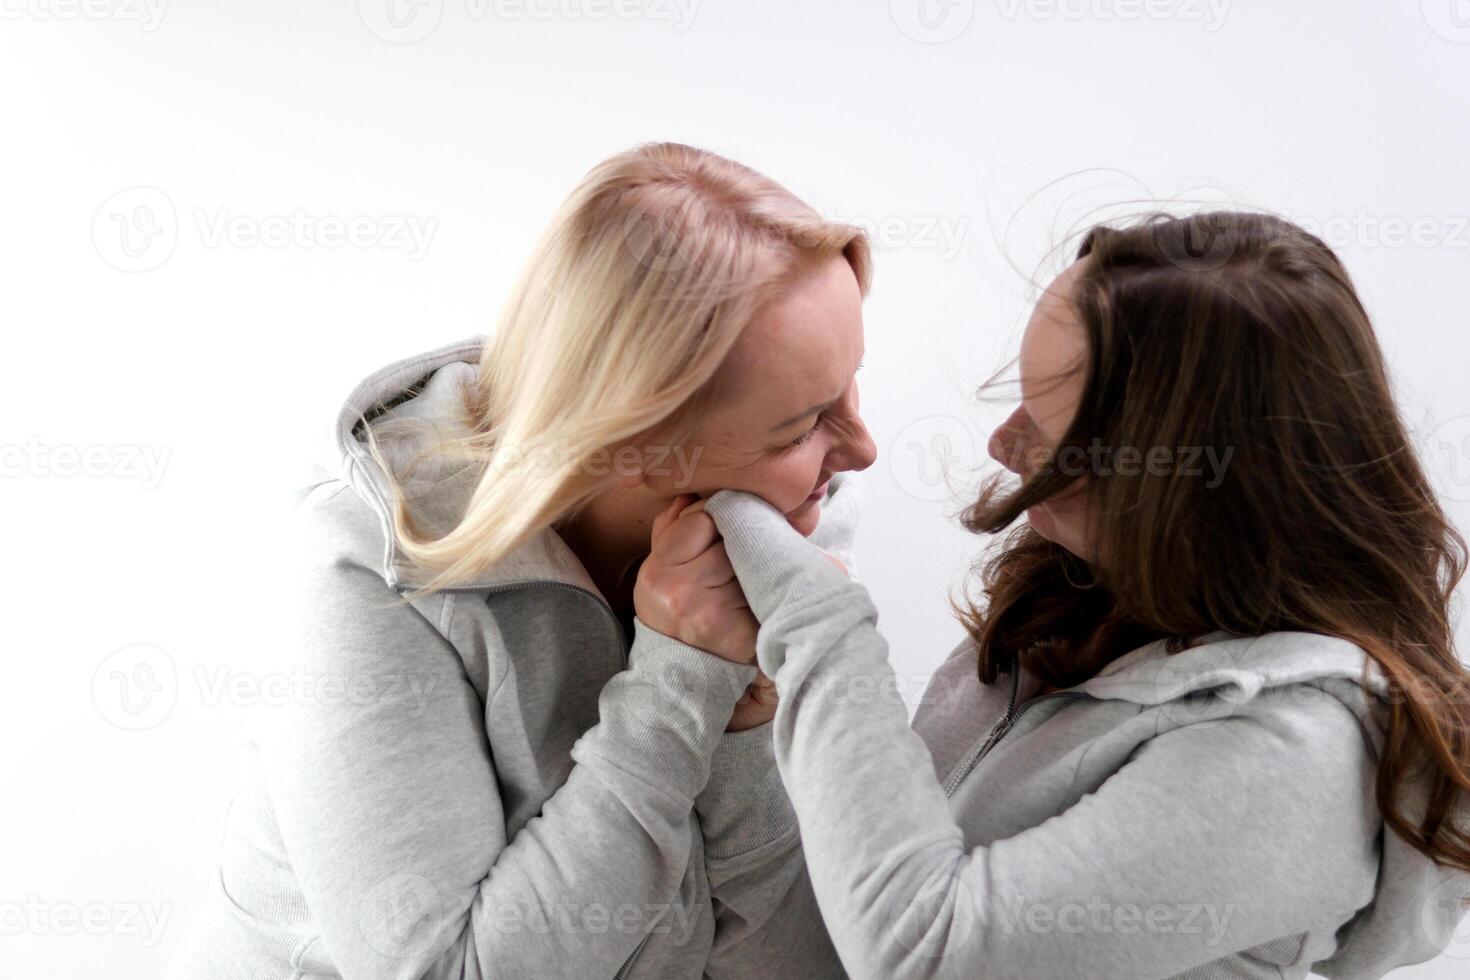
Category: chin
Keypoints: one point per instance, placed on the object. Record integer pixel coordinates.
(805, 518)
(1042, 523)
(1047, 528)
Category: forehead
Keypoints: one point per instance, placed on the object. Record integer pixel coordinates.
(802, 349)
(1053, 353)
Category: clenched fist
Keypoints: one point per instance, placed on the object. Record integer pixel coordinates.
(687, 589)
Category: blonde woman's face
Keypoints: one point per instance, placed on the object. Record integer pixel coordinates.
(788, 420)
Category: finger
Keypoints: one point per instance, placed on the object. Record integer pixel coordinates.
(686, 539)
(728, 596)
(670, 513)
(710, 569)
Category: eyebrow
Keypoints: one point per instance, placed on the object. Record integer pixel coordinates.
(814, 410)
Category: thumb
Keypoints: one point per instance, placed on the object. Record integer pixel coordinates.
(671, 513)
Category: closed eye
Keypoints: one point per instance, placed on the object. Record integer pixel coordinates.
(806, 436)
(822, 411)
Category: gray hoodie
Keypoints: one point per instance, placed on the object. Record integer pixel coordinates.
(1207, 814)
(489, 782)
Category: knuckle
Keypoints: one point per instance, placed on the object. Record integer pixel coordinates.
(703, 524)
(706, 620)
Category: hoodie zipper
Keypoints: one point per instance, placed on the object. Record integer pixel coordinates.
(1007, 721)
(628, 963)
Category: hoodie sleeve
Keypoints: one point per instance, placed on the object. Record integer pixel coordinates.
(391, 813)
(1210, 840)
(763, 902)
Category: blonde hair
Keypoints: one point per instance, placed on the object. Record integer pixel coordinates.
(616, 329)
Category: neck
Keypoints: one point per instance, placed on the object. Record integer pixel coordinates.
(610, 536)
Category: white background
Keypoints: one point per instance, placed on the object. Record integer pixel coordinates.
(191, 369)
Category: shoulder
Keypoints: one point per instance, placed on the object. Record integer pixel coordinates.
(1296, 754)
(338, 562)
(333, 522)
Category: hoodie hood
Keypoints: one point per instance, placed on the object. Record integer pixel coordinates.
(1417, 905)
(407, 409)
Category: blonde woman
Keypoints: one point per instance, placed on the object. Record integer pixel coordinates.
(510, 784)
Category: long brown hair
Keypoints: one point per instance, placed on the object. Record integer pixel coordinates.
(1241, 332)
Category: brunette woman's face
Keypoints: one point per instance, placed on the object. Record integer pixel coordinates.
(788, 417)
(1053, 352)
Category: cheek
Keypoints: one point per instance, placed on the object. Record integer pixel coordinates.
(1069, 507)
(785, 482)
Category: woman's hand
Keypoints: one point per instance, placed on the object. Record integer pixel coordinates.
(756, 706)
(687, 589)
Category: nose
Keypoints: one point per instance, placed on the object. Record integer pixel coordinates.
(1005, 442)
(856, 451)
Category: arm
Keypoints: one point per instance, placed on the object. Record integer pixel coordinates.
(766, 918)
(388, 802)
(1178, 826)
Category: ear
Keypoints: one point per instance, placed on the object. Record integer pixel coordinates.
(628, 466)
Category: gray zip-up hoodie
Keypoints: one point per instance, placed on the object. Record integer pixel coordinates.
(488, 782)
(1208, 814)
